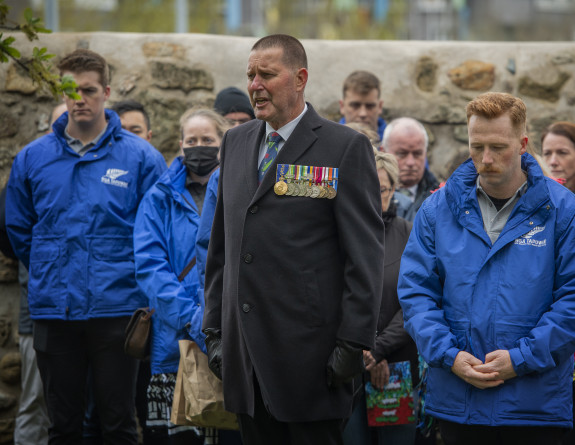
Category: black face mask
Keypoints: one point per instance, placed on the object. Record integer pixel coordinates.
(201, 159)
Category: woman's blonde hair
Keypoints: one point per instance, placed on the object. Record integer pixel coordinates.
(387, 162)
(221, 124)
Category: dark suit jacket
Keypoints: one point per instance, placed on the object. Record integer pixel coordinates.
(286, 276)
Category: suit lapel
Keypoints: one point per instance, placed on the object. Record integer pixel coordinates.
(252, 143)
(297, 144)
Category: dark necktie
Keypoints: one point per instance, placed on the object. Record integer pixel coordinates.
(272, 142)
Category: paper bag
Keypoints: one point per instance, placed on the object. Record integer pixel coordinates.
(202, 390)
(178, 414)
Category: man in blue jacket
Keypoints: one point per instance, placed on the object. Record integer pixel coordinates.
(487, 286)
(361, 102)
(71, 203)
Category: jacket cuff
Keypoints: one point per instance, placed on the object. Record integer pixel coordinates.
(377, 356)
(518, 361)
(449, 357)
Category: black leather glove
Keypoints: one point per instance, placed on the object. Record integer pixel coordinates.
(345, 362)
(214, 349)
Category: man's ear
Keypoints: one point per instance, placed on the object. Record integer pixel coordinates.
(524, 141)
(301, 79)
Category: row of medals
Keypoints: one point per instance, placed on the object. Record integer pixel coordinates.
(304, 188)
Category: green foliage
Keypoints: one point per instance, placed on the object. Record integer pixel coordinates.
(7, 50)
(37, 65)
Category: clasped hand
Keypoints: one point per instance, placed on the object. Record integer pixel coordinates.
(379, 372)
(496, 369)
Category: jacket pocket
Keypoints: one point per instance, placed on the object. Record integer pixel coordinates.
(112, 273)
(537, 396)
(447, 393)
(45, 279)
(510, 329)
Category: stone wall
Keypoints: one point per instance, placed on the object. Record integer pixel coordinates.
(431, 81)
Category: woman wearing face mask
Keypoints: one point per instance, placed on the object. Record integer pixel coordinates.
(164, 242)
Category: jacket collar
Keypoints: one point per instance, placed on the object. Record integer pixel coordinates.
(114, 130)
(173, 183)
(461, 197)
(462, 184)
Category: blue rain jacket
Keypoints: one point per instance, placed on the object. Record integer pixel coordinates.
(164, 244)
(461, 293)
(70, 220)
(206, 222)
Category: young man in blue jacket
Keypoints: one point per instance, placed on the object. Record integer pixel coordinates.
(487, 286)
(71, 203)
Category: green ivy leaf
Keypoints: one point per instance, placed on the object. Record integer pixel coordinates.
(11, 51)
(41, 54)
(28, 14)
(8, 40)
(69, 87)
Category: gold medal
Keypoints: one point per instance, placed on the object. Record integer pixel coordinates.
(280, 188)
(322, 192)
(331, 193)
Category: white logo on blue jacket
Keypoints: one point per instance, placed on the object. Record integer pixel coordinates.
(112, 175)
(527, 239)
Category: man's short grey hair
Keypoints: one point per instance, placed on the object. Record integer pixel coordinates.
(405, 122)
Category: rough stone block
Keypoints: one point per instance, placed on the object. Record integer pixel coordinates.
(174, 75)
(473, 75)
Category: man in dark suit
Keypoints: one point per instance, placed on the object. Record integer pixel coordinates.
(293, 278)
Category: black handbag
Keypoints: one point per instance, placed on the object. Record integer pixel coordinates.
(137, 343)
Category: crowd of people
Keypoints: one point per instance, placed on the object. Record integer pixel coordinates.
(308, 259)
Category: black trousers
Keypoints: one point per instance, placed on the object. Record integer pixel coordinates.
(458, 434)
(65, 350)
(263, 429)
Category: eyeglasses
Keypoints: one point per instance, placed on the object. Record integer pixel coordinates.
(385, 190)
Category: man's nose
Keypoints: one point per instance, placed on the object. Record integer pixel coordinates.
(487, 157)
(255, 83)
(410, 159)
